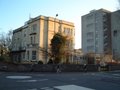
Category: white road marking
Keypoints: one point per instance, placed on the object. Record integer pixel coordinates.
(33, 89)
(72, 87)
(37, 74)
(47, 88)
(32, 80)
(27, 81)
(18, 77)
(116, 74)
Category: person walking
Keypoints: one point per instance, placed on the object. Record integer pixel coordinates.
(85, 68)
(58, 68)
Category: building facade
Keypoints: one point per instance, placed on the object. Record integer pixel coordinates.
(31, 42)
(115, 24)
(96, 32)
(79, 57)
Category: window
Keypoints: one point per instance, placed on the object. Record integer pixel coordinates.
(96, 42)
(59, 28)
(67, 31)
(31, 40)
(96, 35)
(115, 32)
(33, 55)
(90, 34)
(89, 17)
(34, 39)
(90, 25)
(28, 55)
(34, 27)
(23, 55)
(90, 40)
(90, 48)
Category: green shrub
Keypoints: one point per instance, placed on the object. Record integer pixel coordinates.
(50, 61)
(40, 62)
(5, 58)
(2, 58)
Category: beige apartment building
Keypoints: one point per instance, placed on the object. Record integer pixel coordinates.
(31, 42)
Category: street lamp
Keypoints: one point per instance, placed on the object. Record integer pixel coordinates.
(55, 22)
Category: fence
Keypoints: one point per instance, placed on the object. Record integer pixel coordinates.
(52, 68)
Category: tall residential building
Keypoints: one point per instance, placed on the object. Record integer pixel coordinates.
(96, 32)
(31, 42)
(115, 24)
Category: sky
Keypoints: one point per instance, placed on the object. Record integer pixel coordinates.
(14, 13)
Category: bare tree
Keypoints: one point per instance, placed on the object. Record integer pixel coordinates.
(2, 44)
(5, 45)
(9, 39)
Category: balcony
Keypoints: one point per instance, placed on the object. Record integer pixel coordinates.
(32, 45)
(105, 37)
(33, 33)
(105, 29)
(22, 48)
(18, 49)
(105, 45)
(104, 19)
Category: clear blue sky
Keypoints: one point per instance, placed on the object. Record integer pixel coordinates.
(14, 13)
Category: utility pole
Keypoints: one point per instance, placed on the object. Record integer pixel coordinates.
(55, 23)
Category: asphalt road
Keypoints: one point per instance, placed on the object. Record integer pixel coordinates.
(61, 81)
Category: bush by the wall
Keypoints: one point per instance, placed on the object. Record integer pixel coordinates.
(40, 62)
(50, 61)
(2, 58)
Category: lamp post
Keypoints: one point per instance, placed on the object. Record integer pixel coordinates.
(55, 22)
(55, 28)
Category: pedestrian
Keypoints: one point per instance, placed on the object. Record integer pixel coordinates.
(85, 68)
(58, 68)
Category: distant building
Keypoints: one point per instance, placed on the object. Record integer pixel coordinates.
(78, 57)
(115, 24)
(31, 42)
(96, 32)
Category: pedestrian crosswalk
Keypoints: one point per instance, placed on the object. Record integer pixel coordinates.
(67, 87)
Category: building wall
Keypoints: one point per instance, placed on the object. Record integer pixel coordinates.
(115, 21)
(94, 34)
(16, 44)
(32, 41)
